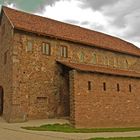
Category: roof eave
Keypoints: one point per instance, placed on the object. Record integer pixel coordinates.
(100, 72)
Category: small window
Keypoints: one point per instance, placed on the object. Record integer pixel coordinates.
(118, 87)
(104, 86)
(29, 47)
(46, 48)
(130, 88)
(64, 51)
(89, 85)
(5, 57)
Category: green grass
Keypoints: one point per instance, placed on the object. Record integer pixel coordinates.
(69, 129)
(121, 138)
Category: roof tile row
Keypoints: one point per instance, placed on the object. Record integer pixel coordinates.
(100, 69)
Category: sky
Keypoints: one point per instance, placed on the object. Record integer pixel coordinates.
(120, 18)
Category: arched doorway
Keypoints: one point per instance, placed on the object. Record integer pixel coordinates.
(1, 100)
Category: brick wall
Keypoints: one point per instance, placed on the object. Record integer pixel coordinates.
(99, 107)
(39, 84)
(35, 86)
(42, 87)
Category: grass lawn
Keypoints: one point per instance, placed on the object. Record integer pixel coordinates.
(127, 138)
(69, 129)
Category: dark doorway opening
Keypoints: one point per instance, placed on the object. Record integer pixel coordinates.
(1, 101)
(64, 93)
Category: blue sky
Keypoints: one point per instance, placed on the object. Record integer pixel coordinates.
(119, 18)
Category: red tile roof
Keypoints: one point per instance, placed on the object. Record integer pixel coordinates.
(48, 27)
(100, 69)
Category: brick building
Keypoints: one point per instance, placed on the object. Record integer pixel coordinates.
(52, 69)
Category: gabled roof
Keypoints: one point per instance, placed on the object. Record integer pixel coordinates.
(99, 69)
(48, 27)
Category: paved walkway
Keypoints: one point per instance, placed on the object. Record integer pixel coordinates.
(13, 131)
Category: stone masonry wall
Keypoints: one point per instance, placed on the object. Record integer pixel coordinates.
(99, 107)
(6, 63)
(39, 85)
(41, 88)
(72, 73)
(35, 86)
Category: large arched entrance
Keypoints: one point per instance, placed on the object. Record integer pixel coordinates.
(1, 100)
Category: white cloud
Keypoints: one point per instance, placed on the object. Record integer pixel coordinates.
(71, 11)
(12, 5)
(136, 43)
(125, 20)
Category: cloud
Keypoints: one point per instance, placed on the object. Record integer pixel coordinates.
(125, 19)
(97, 4)
(76, 22)
(50, 2)
(46, 3)
(70, 10)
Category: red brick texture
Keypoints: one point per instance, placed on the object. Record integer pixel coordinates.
(99, 108)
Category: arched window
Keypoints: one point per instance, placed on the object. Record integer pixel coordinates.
(115, 62)
(46, 49)
(29, 47)
(81, 56)
(106, 61)
(94, 58)
(125, 64)
(64, 51)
